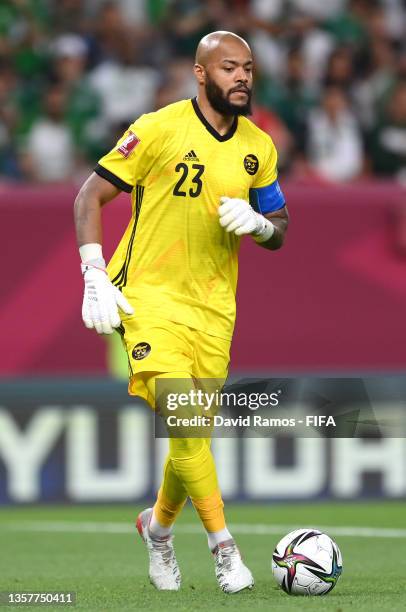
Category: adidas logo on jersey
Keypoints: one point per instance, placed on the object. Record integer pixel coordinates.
(191, 156)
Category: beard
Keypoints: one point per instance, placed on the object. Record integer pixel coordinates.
(220, 101)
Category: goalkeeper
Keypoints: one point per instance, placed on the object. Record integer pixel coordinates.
(201, 176)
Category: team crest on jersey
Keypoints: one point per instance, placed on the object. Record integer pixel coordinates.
(251, 163)
(141, 350)
(129, 143)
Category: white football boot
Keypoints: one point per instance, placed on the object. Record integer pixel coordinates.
(164, 571)
(231, 573)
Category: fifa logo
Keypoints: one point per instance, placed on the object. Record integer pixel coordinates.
(128, 144)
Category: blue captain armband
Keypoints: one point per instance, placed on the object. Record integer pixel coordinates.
(267, 199)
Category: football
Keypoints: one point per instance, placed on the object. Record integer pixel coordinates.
(307, 562)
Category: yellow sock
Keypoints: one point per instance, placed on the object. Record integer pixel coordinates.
(193, 463)
(210, 511)
(171, 496)
(189, 471)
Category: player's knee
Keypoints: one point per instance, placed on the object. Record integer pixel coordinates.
(184, 448)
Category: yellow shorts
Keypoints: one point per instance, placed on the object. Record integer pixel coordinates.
(159, 345)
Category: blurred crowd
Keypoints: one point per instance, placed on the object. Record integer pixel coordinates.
(330, 82)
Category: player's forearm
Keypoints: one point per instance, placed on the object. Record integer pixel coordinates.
(87, 214)
(278, 237)
(95, 192)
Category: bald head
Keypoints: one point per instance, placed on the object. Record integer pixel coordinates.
(216, 44)
(223, 71)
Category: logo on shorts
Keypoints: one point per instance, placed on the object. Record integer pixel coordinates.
(129, 143)
(251, 163)
(141, 350)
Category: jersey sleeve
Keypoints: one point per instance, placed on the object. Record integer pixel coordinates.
(265, 194)
(133, 155)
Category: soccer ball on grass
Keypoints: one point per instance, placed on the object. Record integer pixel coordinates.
(307, 562)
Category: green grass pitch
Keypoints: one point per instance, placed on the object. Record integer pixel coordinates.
(93, 551)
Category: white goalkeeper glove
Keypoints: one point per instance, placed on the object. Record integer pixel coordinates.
(101, 298)
(239, 217)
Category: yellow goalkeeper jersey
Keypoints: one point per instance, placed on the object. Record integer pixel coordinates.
(174, 260)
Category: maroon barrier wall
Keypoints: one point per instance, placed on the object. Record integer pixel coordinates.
(334, 298)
